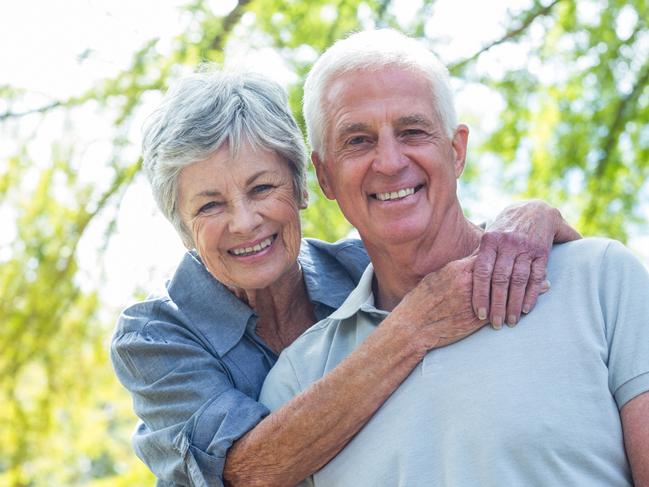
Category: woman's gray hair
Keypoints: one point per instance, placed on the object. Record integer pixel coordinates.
(373, 50)
(206, 110)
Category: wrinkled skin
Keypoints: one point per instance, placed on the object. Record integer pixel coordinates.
(509, 272)
(440, 305)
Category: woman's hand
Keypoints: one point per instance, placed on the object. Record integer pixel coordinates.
(439, 307)
(509, 272)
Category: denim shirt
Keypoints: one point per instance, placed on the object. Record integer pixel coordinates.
(194, 365)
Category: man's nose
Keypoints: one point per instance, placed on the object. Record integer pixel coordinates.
(390, 159)
(244, 217)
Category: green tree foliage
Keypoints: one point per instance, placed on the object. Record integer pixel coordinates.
(576, 118)
(573, 130)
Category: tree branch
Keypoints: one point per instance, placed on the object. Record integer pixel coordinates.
(612, 138)
(619, 121)
(228, 24)
(46, 108)
(509, 35)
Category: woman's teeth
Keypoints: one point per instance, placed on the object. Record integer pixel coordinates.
(255, 248)
(395, 194)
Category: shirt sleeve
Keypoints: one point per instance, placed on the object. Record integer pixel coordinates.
(190, 411)
(624, 295)
(281, 384)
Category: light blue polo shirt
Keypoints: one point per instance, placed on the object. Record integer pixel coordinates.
(536, 405)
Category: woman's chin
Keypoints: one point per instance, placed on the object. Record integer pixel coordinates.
(259, 278)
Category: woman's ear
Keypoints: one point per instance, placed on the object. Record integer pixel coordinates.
(304, 201)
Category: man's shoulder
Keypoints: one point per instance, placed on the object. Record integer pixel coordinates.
(321, 348)
(593, 253)
(316, 341)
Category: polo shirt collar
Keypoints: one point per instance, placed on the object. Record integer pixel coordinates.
(362, 297)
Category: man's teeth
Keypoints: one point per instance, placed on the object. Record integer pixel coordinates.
(395, 194)
(255, 248)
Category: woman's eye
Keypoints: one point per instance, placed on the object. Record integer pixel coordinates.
(212, 205)
(262, 188)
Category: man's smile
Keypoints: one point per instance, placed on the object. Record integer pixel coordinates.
(394, 195)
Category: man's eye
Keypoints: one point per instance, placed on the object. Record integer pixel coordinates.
(413, 132)
(357, 140)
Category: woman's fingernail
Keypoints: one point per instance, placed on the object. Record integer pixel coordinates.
(497, 322)
(482, 314)
(511, 320)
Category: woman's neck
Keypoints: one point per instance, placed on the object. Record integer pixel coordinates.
(283, 308)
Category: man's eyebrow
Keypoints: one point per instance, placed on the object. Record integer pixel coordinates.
(352, 127)
(415, 119)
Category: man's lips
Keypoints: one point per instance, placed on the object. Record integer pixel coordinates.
(398, 194)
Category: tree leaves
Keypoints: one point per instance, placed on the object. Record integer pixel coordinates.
(573, 130)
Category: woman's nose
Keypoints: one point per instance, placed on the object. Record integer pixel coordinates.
(244, 218)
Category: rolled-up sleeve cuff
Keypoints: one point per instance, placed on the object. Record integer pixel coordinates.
(232, 414)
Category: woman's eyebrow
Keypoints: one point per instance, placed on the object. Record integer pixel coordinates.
(206, 193)
(255, 176)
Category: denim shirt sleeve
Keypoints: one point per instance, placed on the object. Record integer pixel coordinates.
(189, 409)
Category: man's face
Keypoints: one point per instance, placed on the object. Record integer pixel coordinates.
(388, 162)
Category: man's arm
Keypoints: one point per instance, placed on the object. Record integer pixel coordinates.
(510, 270)
(635, 423)
(624, 299)
(310, 429)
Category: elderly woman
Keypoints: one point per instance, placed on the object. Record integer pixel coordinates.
(226, 162)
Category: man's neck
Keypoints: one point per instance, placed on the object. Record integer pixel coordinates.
(399, 268)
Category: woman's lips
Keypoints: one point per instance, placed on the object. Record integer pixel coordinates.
(245, 251)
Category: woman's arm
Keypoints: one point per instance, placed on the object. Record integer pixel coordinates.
(310, 429)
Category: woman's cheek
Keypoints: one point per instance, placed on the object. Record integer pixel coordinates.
(292, 226)
(197, 227)
(204, 236)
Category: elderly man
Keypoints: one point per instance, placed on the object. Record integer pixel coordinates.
(554, 402)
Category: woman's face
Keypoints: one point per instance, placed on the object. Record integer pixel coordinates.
(242, 215)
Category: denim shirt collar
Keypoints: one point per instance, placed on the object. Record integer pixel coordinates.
(208, 303)
(327, 282)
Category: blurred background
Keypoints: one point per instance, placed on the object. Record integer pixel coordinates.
(555, 92)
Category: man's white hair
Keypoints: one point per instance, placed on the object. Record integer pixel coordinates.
(372, 51)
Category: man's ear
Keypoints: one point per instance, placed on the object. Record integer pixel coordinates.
(323, 177)
(459, 143)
